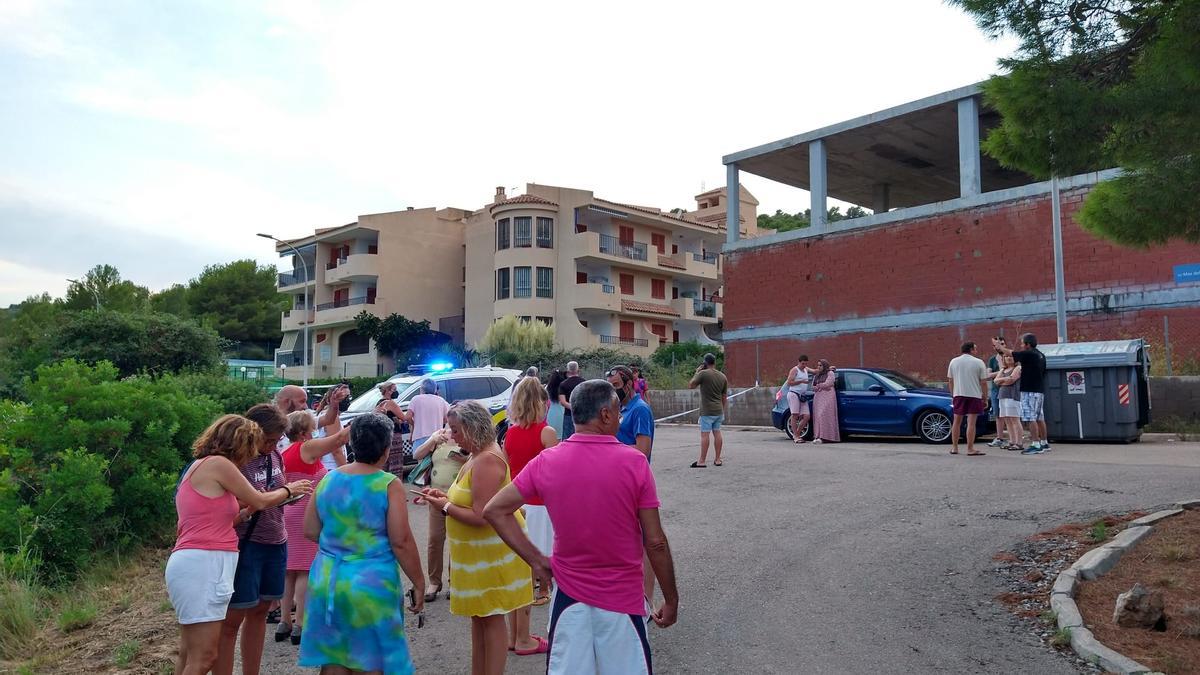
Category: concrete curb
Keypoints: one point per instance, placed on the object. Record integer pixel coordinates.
(1091, 565)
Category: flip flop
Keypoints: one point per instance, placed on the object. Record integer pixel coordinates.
(542, 648)
(541, 600)
(954, 452)
(698, 465)
(718, 463)
(976, 454)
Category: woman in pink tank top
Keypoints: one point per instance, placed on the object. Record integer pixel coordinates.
(200, 570)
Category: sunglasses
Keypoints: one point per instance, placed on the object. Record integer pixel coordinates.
(618, 373)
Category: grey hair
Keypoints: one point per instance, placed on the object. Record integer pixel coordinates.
(428, 386)
(589, 398)
(370, 437)
(531, 372)
(572, 367)
(476, 422)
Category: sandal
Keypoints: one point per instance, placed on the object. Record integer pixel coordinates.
(697, 465)
(542, 647)
(282, 632)
(431, 596)
(718, 463)
(976, 454)
(274, 616)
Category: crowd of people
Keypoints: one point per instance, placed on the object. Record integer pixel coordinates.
(1015, 380)
(812, 399)
(288, 515)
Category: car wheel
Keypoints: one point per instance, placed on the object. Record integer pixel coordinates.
(933, 426)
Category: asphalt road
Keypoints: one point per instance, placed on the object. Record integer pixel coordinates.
(859, 557)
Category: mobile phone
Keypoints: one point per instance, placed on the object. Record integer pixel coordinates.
(292, 500)
(417, 493)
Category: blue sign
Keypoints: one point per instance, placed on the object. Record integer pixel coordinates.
(1187, 274)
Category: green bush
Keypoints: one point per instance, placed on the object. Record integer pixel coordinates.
(357, 384)
(510, 334)
(141, 342)
(686, 354)
(592, 362)
(231, 396)
(91, 463)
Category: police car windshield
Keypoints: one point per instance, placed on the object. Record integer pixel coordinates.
(366, 402)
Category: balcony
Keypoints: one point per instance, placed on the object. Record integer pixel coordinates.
(607, 249)
(355, 267)
(294, 279)
(698, 310)
(602, 297)
(343, 311)
(295, 319)
(292, 359)
(629, 342)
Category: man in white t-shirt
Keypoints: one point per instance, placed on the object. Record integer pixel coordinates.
(797, 385)
(968, 380)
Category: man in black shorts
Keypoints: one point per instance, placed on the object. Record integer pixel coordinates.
(1033, 392)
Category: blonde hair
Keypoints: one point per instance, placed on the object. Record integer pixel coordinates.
(233, 437)
(300, 423)
(528, 405)
(476, 423)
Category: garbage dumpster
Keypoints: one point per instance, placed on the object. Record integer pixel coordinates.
(1097, 391)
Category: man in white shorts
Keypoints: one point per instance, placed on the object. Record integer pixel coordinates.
(598, 614)
(797, 383)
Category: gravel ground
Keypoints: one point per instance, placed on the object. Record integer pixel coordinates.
(852, 558)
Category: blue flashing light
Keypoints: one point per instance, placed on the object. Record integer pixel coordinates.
(441, 367)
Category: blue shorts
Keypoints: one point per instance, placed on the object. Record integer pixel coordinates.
(711, 422)
(1033, 406)
(259, 576)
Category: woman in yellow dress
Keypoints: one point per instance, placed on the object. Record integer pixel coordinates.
(488, 578)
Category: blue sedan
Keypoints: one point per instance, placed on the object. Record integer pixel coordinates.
(882, 402)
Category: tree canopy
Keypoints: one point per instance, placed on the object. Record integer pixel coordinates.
(102, 287)
(1110, 83)
(782, 222)
(407, 341)
(137, 342)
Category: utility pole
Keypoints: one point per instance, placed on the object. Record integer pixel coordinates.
(304, 349)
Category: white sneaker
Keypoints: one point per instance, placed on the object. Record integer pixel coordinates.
(997, 443)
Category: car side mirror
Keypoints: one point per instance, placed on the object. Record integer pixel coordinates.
(877, 388)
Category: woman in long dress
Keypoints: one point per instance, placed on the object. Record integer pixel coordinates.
(825, 414)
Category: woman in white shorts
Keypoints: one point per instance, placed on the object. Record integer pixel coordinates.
(201, 567)
(1009, 379)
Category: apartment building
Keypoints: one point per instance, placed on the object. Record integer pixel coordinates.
(603, 273)
(407, 262)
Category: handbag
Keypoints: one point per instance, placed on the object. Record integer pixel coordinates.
(421, 473)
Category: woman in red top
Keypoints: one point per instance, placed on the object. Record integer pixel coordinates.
(301, 460)
(528, 434)
(200, 570)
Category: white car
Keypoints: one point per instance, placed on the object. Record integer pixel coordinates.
(490, 386)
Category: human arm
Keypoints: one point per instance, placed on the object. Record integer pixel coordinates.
(486, 474)
(695, 381)
(1012, 378)
(404, 546)
(312, 522)
(227, 475)
(316, 448)
(499, 514)
(793, 377)
(725, 400)
(332, 410)
(658, 550)
(827, 384)
(440, 436)
(549, 437)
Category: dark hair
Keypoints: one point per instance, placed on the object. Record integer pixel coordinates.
(270, 419)
(710, 360)
(803, 357)
(623, 372)
(370, 437)
(1029, 339)
(1000, 338)
(589, 398)
(968, 347)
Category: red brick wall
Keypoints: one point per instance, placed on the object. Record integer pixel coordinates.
(967, 258)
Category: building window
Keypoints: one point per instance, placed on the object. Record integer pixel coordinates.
(545, 282)
(658, 289)
(580, 278)
(583, 323)
(626, 235)
(548, 320)
(545, 232)
(659, 329)
(674, 336)
(626, 284)
(502, 283)
(659, 242)
(522, 282)
(580, 227)
(522, 232)
(523, 319)
(502, 234)
(352, 342)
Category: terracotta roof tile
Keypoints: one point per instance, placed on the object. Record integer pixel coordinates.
(648, 308)
(524, 199)
(658, 212)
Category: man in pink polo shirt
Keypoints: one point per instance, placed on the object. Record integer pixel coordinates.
(598, 616)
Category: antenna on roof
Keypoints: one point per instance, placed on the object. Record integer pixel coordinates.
(702, 186)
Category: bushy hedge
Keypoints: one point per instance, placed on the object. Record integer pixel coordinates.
(231, 396)
(90, 463)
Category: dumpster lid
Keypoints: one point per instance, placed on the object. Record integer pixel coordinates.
(1093, 354)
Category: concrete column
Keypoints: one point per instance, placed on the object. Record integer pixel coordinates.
(818, 184)
(883, 198)
(733, 204)
(968, 147)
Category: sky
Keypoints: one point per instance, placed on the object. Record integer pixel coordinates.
(160, 137)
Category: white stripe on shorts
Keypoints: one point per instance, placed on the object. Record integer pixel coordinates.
(586, 640)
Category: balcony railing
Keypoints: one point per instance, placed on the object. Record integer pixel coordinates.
(704, 307)
(634, 250)
(364, 300)
(616, 340)
(710, 258)
(608, 288)
(294, 278)
(292, 359)
(332, 265)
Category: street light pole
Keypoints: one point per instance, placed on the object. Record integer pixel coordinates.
(304, 349)
(95, 294)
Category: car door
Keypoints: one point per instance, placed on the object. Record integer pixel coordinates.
(868, 405)
(470, 388)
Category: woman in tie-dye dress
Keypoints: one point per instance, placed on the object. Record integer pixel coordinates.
(354, 618)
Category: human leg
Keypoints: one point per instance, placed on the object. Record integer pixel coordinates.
(199, 645)
(286, 606)
(272, 564)
(435, 552)
(519, 637)
(703, 447)
(493, 650)
(230, 628)
(954, 426)
(254, 632)
(717, 442)
(301, 597)
(971, 434)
